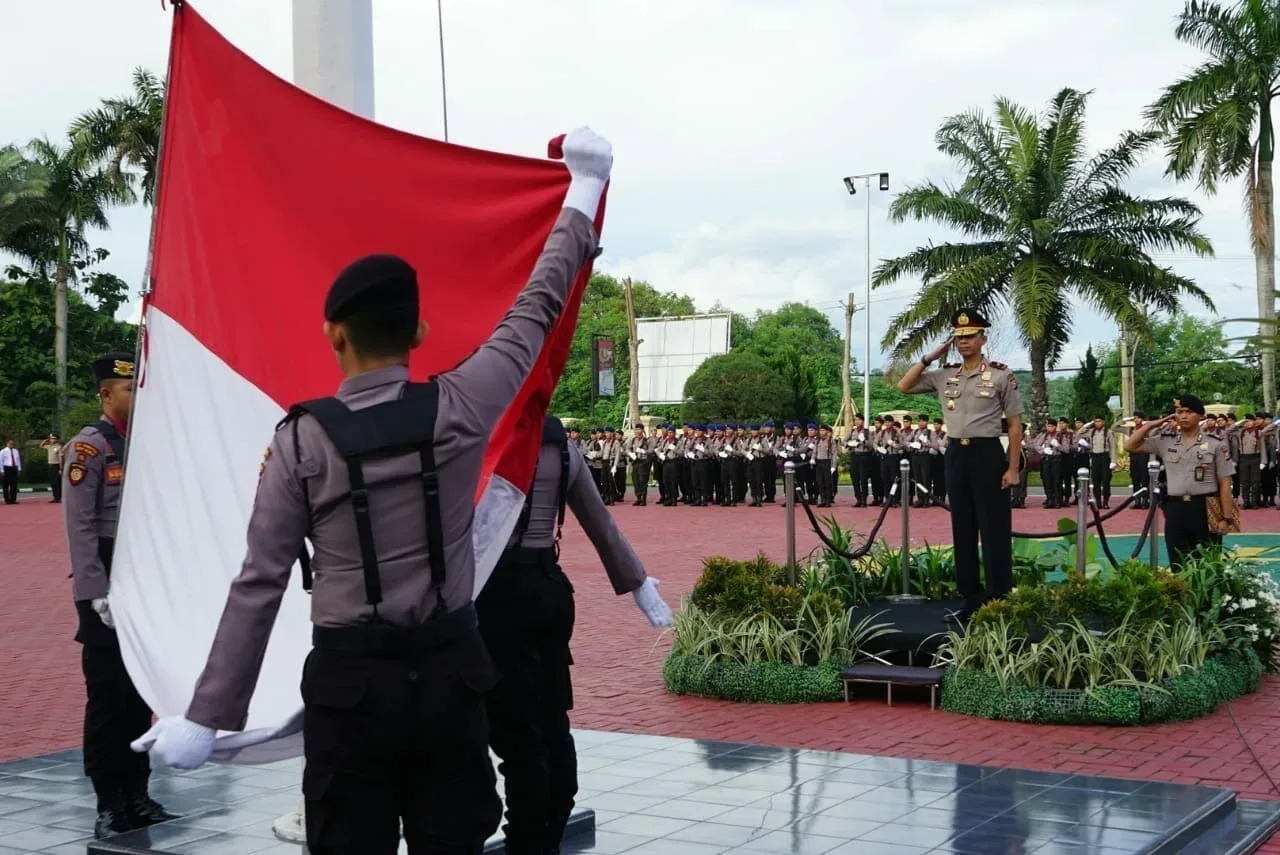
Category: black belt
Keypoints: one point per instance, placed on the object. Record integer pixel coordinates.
(388, 638)
(972, 440)
(1200, 498)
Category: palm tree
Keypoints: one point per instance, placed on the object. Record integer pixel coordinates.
(75, 198)
(1218, 123)
(125, 132)
(21, 186)
(1046, 230)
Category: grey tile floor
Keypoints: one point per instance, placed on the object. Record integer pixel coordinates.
(665, 795)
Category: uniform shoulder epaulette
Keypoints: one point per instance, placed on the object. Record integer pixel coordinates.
(999, 366)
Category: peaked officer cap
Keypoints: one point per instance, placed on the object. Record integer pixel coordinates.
(968, 322)
(375, 281)
(113, 366)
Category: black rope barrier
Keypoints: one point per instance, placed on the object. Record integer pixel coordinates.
(1065, 532)
(1102, 535)
(1146, 525)
(865, 548)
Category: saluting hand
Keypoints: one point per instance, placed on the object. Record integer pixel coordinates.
(941, 350)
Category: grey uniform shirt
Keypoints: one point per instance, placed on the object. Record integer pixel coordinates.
(90, 508)
(473, 397)
(1192, 469)
(973, 402)
(581, 496)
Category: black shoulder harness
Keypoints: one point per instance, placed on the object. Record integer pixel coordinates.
(552, 433)
(408, 422)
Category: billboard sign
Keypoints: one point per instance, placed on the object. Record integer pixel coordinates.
(602, 367)
(671, 349)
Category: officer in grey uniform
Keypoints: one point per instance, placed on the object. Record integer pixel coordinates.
(977, 395)
(382, 479)
(114, 712)
(1197, 466)
(639, 450)
(526, 617)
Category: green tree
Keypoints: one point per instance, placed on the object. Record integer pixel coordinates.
(736, 386)
(28, 398)
(798, 342)
(1217, 122)
(1046, 230)
(124, 133)
(604, 313)
(1089, 398)
(21, 187)
(1186, 355)
(53, 235)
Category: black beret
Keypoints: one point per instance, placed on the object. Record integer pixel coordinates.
(113, 366)
(1190, 402)
(375, 281)
(552, 431)
(968, 322)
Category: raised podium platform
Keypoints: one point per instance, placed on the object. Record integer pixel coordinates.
(668, 795)
(920, 627)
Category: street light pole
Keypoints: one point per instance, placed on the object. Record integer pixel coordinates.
(852, 187)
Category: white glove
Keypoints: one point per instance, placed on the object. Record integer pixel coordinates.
(177, 742)
(652, 604)
(589, 158)
(103, 607)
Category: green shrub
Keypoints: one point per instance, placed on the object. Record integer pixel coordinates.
(760, 682)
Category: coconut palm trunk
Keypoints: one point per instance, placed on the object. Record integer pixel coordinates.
(62, 274)
(1264, 242)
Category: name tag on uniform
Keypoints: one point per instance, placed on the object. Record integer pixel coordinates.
(953, 381)
(981, 385)
(113, 474)
(1199, 473)
(951, 393)
(985, 393)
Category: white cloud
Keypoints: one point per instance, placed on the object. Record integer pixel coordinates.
(733, 120)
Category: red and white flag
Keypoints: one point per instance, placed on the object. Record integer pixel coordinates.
(265, 193)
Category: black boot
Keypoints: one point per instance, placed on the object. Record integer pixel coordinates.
(112, 819)
(143, 811)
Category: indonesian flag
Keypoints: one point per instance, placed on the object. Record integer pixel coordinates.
(265, 194)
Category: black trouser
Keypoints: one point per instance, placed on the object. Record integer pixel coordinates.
(888, 474)
(1075, 463)
(824, 480)
(686, 479)
(938, 477)
(526, 617)
(920, 475)
(671, 472)
(55, 481)
(1100, 474)
(859, 474)
(878, 485)
(640, 479)
(756, 475)
(1139, 477)
(722, 482)
(770, 477)
(1186, 527)
(620, 482)
(10, 481)
(738, 465)
(807, 479)
(114, 712)
(1250, 470)
(1051, 477)
(703, 472)
(1018, 493)
(393, 737)
(980, 509)
(659, 466)
(1268, 490)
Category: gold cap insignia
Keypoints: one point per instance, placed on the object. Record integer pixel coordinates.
(963, 320)
(122, 368)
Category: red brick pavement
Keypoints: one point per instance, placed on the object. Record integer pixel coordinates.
(617, 675)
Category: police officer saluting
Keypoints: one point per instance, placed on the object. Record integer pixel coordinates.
(976, 395)
(382, 479)
(526, 617)
(114, 714)
(1198, 468)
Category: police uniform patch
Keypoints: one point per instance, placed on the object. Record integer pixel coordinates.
(76, 473)
(262, 467)
(86, 450)
(114, 473)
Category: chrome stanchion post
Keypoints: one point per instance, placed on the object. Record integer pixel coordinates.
(1153, 487)
(1082, 516)
(789, 484)
(905, 492)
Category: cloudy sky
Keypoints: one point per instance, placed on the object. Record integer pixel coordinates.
(733, 121)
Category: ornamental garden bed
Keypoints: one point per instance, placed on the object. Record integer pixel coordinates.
(1126, 645)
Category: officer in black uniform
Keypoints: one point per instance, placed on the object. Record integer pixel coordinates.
(114, 712)
(526, 615)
